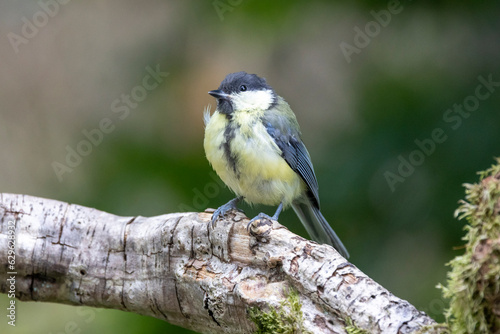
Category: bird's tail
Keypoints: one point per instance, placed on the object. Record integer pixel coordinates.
(317, 226)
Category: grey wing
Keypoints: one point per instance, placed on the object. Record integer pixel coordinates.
(285, 132)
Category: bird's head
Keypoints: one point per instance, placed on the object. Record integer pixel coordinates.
(241, 91)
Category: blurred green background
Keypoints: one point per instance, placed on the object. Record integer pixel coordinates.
(362, 99)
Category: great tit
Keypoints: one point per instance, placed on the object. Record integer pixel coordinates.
(253, 142)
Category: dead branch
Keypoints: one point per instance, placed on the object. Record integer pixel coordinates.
(173, 267)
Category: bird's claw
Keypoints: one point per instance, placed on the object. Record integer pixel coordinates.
(223, 209)
(260, 216)
(220, 212)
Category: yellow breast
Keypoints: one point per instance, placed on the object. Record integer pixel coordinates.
(260, 174)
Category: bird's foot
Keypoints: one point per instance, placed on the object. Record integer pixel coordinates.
(223, 209)
(263, 220)
(260, 219)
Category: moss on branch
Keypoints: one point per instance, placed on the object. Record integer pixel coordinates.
(473, 285)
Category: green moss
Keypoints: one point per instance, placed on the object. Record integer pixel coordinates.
(351, 328)
(473, 284)
(287, 318)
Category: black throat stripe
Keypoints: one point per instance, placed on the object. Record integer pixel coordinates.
(229, 134)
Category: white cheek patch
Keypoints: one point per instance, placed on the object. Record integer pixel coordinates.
(256, 99)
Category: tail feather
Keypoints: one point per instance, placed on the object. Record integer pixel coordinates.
(317, 226)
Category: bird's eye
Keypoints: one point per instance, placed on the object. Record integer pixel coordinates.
(243, 88)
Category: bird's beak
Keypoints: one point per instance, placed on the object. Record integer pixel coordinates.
(219, 95)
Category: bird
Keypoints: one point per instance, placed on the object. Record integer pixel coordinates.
(253, 142)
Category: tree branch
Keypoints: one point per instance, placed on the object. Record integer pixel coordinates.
(173, 267)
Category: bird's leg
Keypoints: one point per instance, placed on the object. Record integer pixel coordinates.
(278, 211)
(263, 215)
(223, 209)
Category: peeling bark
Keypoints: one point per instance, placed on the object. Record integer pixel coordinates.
(174, 267)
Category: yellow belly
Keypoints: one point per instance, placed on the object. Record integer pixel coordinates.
(261, 175)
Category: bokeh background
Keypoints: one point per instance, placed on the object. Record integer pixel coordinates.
(361, 111)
